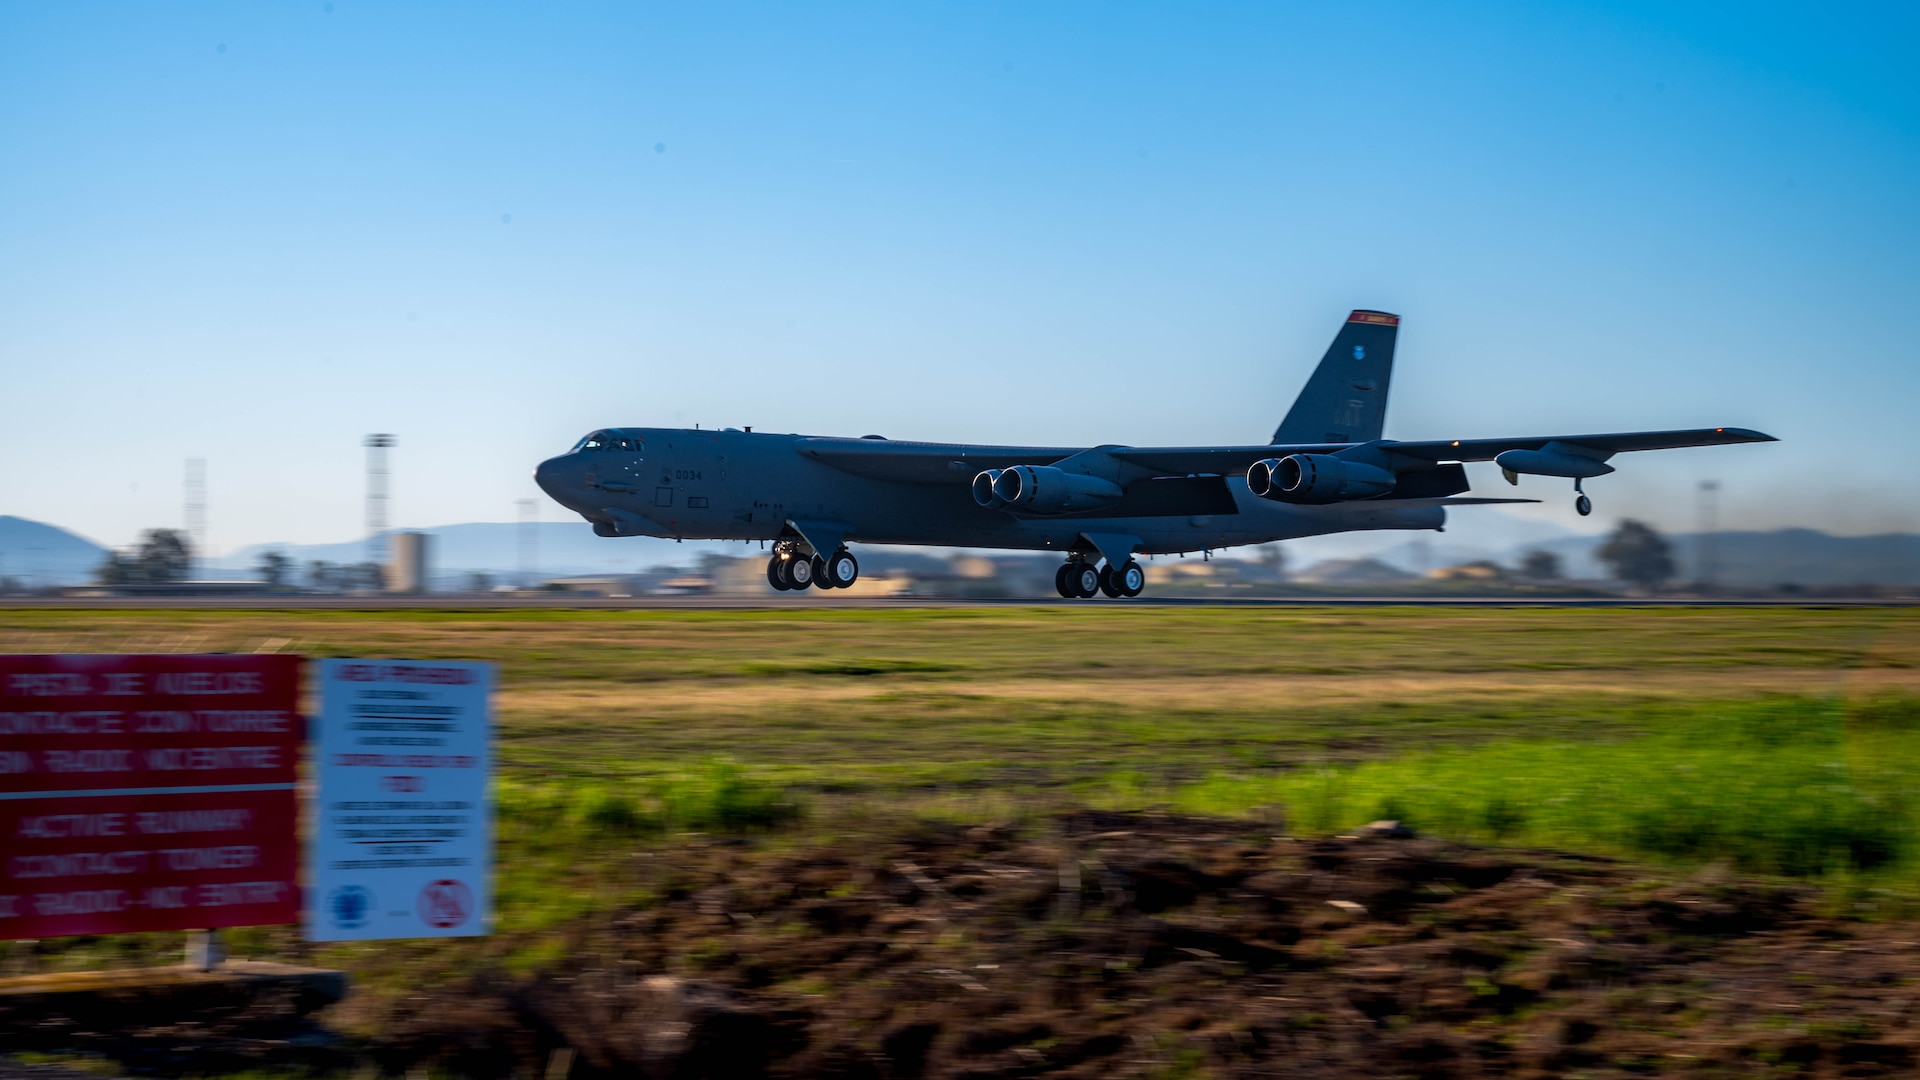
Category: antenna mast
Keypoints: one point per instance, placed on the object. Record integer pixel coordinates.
(1709, 525)
(377, 446)
(195, 515)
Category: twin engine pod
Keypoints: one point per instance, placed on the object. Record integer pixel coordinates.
(1316, 478)
(1042, 489)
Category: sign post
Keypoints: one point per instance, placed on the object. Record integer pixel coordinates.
(402, 839)
(142, 793)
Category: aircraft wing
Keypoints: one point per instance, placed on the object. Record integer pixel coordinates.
(939, 463)
(1182, 460)
(923, 462)
(935, 463)
(1610, 443)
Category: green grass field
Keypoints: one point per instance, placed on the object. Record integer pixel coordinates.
(1781, 741)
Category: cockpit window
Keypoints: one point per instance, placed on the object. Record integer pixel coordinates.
(606, 440)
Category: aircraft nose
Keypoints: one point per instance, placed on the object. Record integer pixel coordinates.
(548, 475)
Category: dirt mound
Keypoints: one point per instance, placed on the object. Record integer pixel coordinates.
(1124, 945)
(1141, 945)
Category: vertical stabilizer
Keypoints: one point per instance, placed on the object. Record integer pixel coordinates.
(1345, 400)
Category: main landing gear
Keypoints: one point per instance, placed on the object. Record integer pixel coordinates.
(1581, 504)
(791, 570)
(1078, 579)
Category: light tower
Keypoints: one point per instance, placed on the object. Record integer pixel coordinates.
(194, 515)
(529, 541)
(1703, 553)
(377, 446)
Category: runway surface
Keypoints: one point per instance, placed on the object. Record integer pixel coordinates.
(814, 600)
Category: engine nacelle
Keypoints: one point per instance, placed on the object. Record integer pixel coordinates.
(1317, 478)
(1043, 489)
(1260, 478)
(983, 489)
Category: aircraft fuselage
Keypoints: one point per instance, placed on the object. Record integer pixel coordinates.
(739, 485)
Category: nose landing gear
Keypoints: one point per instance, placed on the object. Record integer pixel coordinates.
(1581, 504)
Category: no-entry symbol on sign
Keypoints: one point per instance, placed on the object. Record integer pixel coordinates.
(445, 904)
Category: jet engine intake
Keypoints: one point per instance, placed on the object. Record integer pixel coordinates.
(1260, 479)
(983, 489)
(1317, 478)
(1043, 489)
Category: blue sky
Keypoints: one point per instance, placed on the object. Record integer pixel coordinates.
(252, 233)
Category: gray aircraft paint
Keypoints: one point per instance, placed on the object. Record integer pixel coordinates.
(1345, 400)
(821, 492)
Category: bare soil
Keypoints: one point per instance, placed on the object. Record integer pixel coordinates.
(1148, 945)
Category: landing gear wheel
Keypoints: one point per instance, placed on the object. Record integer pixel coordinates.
(1582, 505)
(820, 578)
(1133, 580)
(799, 573)
(842, 570)
(1110, 582)
(1063, 582)
(1084, 579)
(777, 573)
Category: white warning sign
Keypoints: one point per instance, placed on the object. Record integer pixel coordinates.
(402, 844)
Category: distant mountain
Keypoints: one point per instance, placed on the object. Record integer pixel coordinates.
(1765, 559)
(44, 555)
(1473, 532)
(1353, 572)
(1810, 557)
(1740, 559)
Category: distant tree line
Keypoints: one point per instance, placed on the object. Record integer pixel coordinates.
(345, 577)
(1540, 566)
(276, 571)
(1634, 553)
(1638, 555)
(161, 556)
(164, 556)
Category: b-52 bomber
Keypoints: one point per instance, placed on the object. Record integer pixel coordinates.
(1325, 470)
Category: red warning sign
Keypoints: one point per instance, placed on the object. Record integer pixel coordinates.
(147, 793)
(445, 904)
